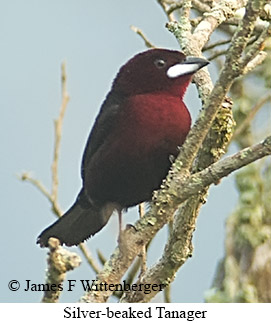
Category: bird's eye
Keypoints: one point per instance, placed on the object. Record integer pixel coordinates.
(160, 63)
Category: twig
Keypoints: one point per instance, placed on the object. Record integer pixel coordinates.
(133, 270)
(216, 44)
(58, 131)
(256, 47)
(175, 6)
(217, 54)
(233, 21)
(255, 61)
(251, 116)
(53, 196)
(55, 207)
(200, 6)
(185, 7)
(101, 257)
(167, 297)
(195, 21)
(138, 31)
(165, 6)
(224, 167)
(89, 258)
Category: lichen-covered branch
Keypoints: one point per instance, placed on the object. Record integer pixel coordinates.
(232, 69)
(165, 203)
(179, 247)
(60, 261)
(244, 273)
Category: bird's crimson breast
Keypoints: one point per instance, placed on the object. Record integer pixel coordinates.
(136, 157)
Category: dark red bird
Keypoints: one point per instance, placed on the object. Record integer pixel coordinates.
(141, 123)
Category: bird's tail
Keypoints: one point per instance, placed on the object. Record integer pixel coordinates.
(80, 222)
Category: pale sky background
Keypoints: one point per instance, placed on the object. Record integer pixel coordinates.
(95, 39)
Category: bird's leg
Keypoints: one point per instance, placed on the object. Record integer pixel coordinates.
(120, 221)
(120, 226)
(124, 234)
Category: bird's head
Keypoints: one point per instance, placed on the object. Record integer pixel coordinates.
(157, 70)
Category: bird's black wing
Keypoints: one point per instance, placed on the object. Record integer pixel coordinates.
(104, 122)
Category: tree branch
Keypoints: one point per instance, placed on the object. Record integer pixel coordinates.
(58, 132)
(179, 248)
(53, 195)
(165, 203)
(230, 71)
(245, 123)
(138, 31)
(36, 183)
(60, 261)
